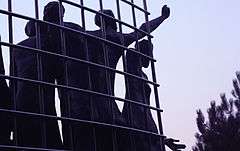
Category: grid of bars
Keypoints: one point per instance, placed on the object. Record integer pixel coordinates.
(66, 58)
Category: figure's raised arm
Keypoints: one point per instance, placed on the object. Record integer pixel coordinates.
(153, 24)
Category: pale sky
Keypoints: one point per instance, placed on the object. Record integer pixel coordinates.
(197, 50)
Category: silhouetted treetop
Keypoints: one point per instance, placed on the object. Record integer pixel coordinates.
(221, 131)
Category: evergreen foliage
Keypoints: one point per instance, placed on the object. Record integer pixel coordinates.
(221, 131)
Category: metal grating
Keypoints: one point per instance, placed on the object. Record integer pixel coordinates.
(64, 85)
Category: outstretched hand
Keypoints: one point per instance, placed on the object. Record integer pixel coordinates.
(165, 11)
(171, 143)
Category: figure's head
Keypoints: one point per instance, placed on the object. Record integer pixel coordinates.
(30, 29)
(51, 12)
(109, 22)
(146, 47)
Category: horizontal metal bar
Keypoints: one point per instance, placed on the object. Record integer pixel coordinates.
(80, 90)
(79, 32)
(95, 123)
(78, 60)
(136, 6)
(102, 14)
(28, 148)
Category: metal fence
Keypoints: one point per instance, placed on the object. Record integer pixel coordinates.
(65, 86)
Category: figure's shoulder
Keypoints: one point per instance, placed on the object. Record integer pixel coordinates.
(130, 54)
(95, 32)
(28, 42)
(113, 34)
(73, 25)
(21, 53)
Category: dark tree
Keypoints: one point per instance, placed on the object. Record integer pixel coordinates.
(222, 130)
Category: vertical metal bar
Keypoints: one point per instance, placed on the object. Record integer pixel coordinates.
(155, 87)
(12, 70)
(63, 50)
(133, 147)
(89, 73)
(40, 77)
(2, 70)
(140, 60)
(108, 80)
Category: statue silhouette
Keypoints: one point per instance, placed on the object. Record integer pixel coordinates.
(78, 77)
(27, 94)
(5, 103)
(102, 109)
(140, 91)
(113, 55)
(114, 52)
(74, 48)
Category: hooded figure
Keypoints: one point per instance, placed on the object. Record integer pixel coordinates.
(5, 103)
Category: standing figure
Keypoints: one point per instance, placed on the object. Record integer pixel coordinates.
(139, 91)
(96, 50)
(76, 74)
(32, 131)
(5, 103)
(114, 52)
(140, 117)
(109, 113)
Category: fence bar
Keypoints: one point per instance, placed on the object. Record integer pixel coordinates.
(104, 15)
(12, 71)
(79, 60)
(140, 60)
(89, 74)
(66, 77)
(75, 31)
(40, 77)
(136, 6)
(29, 148)
(130, 114)
(155, 88)
(107, 77)
(80, 90)
(37, 115)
